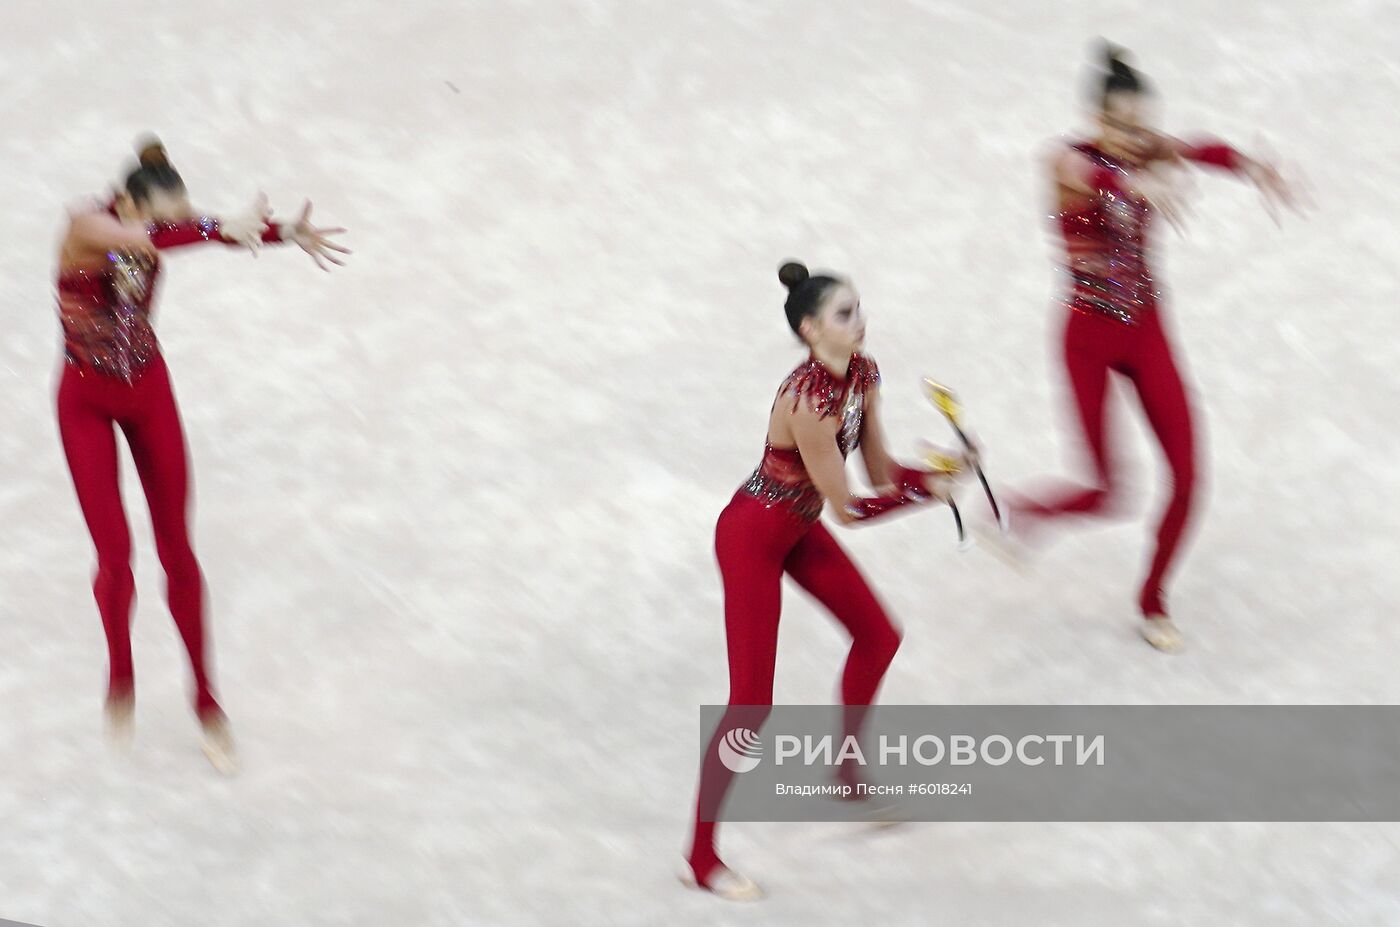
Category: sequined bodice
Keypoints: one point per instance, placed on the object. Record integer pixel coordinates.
(105, 310)
(105, 307)
(781, 478)
(1106, 250)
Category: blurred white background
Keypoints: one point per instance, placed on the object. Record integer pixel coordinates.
(455, 503)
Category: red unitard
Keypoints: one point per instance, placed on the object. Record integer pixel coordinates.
(114, 375)
(1114, 325)
(772, 527)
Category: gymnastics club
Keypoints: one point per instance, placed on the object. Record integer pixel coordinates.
(942, 463)
(943, 399)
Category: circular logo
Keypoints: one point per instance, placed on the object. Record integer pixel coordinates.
(740, 750)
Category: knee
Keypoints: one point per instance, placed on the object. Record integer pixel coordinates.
(1183, 481)
(751, 693)
(750, 714)
(890, 640)
(1107, 494)
(755, 696)
(1106, 499)
(114, 561)
(113, 573)
(178, 560)
(1184, 473)
(882, 644)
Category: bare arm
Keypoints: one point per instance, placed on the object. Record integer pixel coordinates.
(1215, 153)
(874, 452)
(816, 442)
(92, 235)
(1208, 152)
(251, 230)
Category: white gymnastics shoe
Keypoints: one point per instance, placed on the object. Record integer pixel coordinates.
(120, 716)
(217, 743)
(724, 883)
(1161, 633)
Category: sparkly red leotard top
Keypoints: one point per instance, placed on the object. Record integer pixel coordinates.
(781, 479)
(105, 308)
(1106, 246)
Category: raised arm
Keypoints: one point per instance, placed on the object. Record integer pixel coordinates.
(167, 235)
(1205, 151)
(1211, 152)
(252, 230)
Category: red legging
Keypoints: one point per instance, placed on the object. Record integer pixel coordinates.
(1094, 345)
(755, 546)
(89, 404)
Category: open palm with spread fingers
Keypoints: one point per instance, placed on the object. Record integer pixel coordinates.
(316, 241)
(1274, 189)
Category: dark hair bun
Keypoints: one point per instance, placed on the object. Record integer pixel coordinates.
(155, 172)
(1117, 75)
(792, 274)
(1113, 60)
(151, 152)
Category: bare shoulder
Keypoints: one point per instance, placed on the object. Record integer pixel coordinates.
(83, 220)
(1064, 157)
(1070, 169)
(805, 411)
(93, 223)
(99, 231)
(799, 401)
(83, 236)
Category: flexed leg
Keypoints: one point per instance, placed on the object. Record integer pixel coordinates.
(820, 566)
(1090, 348)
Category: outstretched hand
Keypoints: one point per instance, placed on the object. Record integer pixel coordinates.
(1273, 189)
(316, 241)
